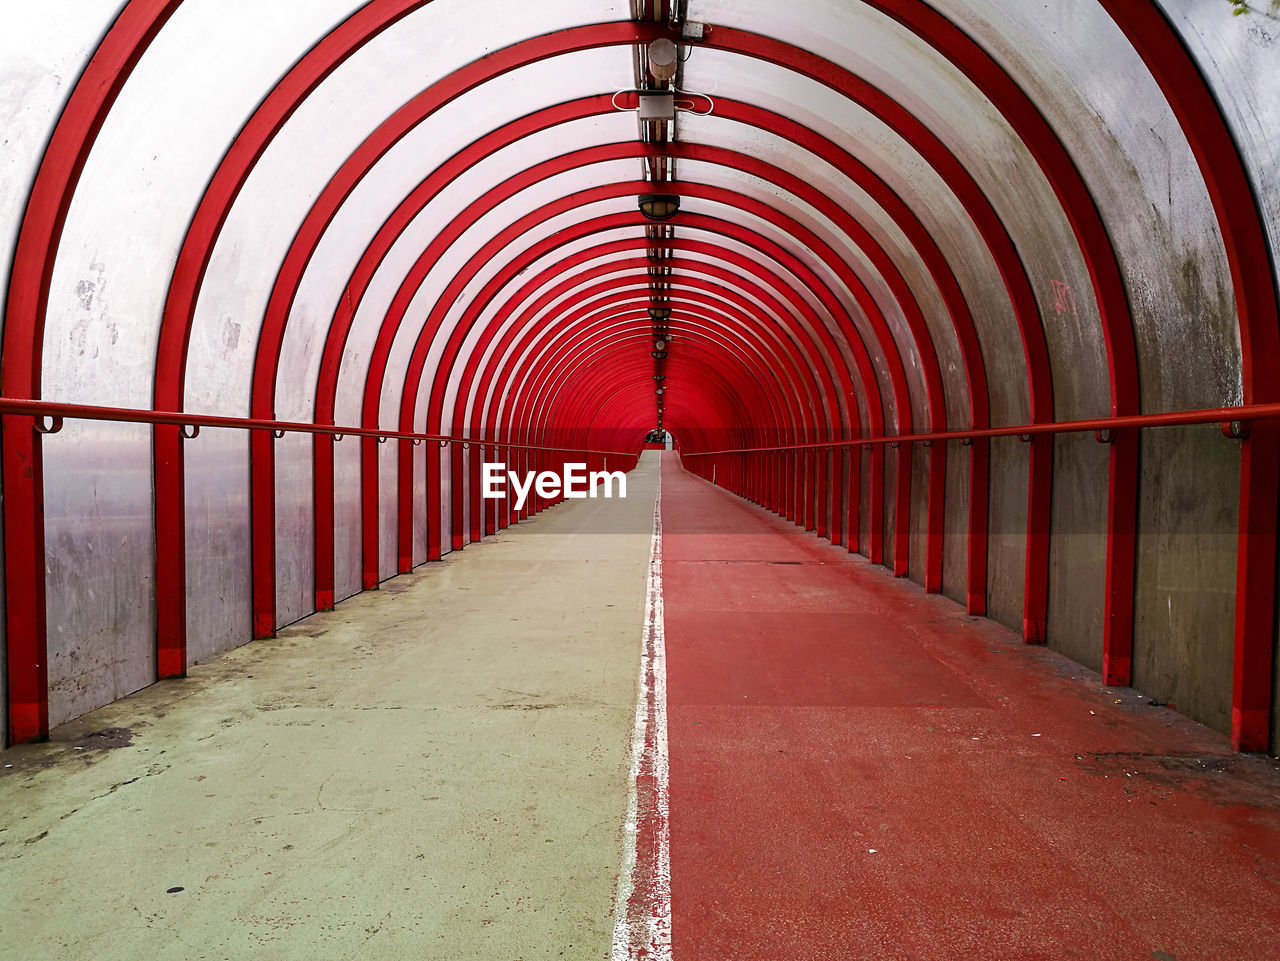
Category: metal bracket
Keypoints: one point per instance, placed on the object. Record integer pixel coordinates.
(189, 431)
(417, 442)
(925, 443)
(895, 444)
(1234, 429)
(337, 437)
(277, 434)
(443, 444)
(1105, 436)
(48, 424)
(1025, 438)
(382, 438)
(966, 441)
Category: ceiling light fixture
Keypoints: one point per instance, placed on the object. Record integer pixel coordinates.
(659, 207)
(663, 57)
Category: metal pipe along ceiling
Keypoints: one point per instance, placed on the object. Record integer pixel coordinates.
(933, 220)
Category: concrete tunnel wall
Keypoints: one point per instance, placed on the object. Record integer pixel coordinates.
(896, 217)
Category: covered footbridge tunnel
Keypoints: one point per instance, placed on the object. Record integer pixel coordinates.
(982, 291)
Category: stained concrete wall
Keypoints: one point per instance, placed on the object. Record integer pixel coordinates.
(1078, 547)
(1185, 612)
(1006, 555)
(955, 534)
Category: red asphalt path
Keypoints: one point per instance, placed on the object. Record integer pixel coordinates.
(820, 710)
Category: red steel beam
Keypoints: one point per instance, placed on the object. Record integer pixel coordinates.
(477, 304)
(610, 324)
(1104, 270)
(227, 182)
(1242, 226)
(21, 360)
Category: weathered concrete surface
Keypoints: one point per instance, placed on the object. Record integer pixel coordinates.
(1078, 548)
(435, 770)
(1184, 610)
(1007, 540)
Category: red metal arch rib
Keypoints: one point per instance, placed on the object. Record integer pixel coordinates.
(531, 336)
(558, 366)
(1036, 499)
(263, 443)
(595, 388)
(590, 377)
(741, 264)
(216, 203)
(503, 240)
(407, 293)
(533, 284)
(559, 343)
(312, 63)
(510, 358)
(555, 368)
(815, 359)
(1260, 332)
(950, 292)
(20, 363)
(1253, 279)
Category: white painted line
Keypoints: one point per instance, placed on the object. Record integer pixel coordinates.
(642, 911)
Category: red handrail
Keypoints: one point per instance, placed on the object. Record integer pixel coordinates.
(1227, 417)
(130, 415)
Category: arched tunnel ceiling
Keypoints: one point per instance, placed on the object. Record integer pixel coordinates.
(964, 194)
(896, 217)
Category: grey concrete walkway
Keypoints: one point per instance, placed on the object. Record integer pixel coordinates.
(434, 770)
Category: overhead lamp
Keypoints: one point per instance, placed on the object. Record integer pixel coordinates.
(663, 57)
(659, 207)
(659, 313)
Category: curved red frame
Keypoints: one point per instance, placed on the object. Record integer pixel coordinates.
(1152, 37)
